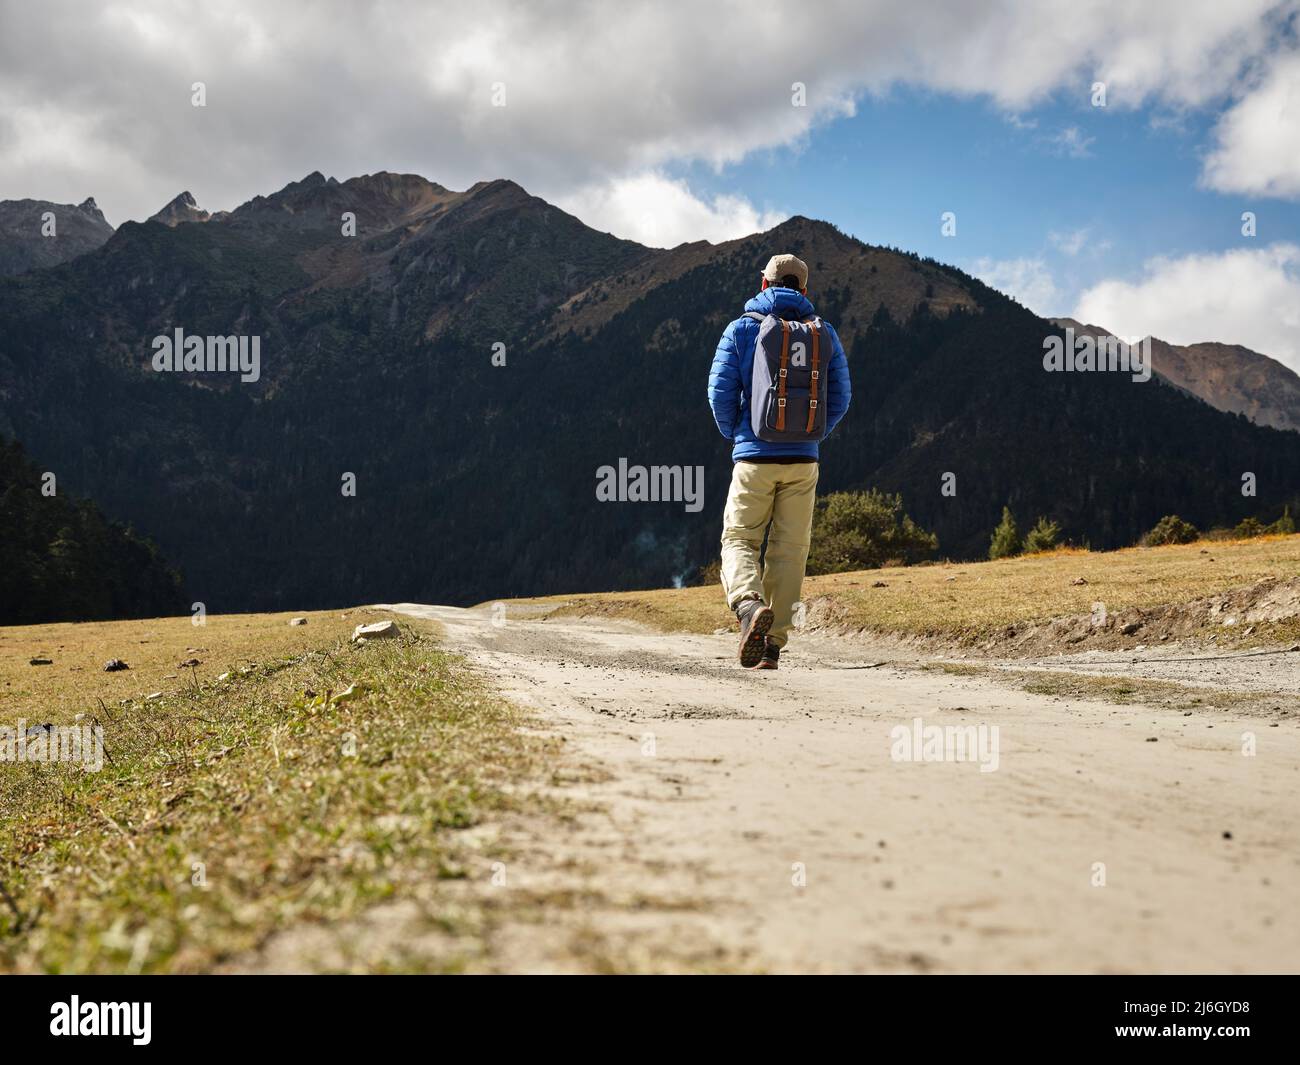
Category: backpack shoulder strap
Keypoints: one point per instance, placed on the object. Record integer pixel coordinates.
(816, 375)
(782, 374)
(755, 315)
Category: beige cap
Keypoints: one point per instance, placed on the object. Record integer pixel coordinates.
(780, 265)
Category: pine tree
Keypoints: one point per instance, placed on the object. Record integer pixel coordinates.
(1042, 537)
(1006, 537)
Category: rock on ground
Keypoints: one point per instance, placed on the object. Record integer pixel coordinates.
(377, 630)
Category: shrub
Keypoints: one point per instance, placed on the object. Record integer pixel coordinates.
(863, 530)
(1171, 529)
(1285, 525)
(1044, 536)
(1247, 528)
(709, 573)
(1006, 537)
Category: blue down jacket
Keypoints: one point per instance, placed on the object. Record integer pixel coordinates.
(733, 370)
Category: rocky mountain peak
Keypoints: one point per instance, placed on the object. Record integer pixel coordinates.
(181, 209)
(90, 207)
(25, 243)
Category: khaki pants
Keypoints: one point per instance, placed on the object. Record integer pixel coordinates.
(780, 493)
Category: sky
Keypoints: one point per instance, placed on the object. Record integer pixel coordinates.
(1090, 159)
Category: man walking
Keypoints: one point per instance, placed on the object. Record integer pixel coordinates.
(778, 386)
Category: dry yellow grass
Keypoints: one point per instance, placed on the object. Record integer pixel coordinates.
(1125, 690)
(153, 648)
(313, 804)
(970, 600)
(320, 777)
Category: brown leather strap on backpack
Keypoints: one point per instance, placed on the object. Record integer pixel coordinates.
(815, 389)
(780, 381)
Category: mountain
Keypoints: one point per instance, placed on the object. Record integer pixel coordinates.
(60, 560)
(24, 225)
(1228, 377)
(436, 393)
(181, 209)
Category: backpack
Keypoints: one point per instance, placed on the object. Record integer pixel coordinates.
(787, 396)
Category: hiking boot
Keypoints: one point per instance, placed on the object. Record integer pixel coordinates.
(756, 618)
(770, 656)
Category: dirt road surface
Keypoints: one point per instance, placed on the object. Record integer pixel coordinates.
(781, 814)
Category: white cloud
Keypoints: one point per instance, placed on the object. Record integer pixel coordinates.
(1026, 280)
(595, 92)
(662, 212)
(1189, 54)
(1073, 142)
(1243, 296)
(1071, 242)
(1257, 141)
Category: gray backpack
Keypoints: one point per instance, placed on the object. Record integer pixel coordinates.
(787, 396)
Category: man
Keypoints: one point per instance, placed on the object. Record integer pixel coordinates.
(778, 386)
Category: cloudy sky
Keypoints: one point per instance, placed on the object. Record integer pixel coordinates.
(667, 122)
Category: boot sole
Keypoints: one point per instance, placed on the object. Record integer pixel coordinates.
(753, 641)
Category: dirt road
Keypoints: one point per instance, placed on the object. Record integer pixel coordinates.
(787, 810)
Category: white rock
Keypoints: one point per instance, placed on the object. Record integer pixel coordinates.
(376, 631)
(153, 696)
(298, 621)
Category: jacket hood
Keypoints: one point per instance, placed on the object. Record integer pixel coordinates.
(786, 303)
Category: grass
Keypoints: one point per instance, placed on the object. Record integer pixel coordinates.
(228, 810)
(298, 801)
(971, 601)
(153, 648)
(1122, 690)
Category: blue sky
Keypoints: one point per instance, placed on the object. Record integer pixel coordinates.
(1091, 205)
